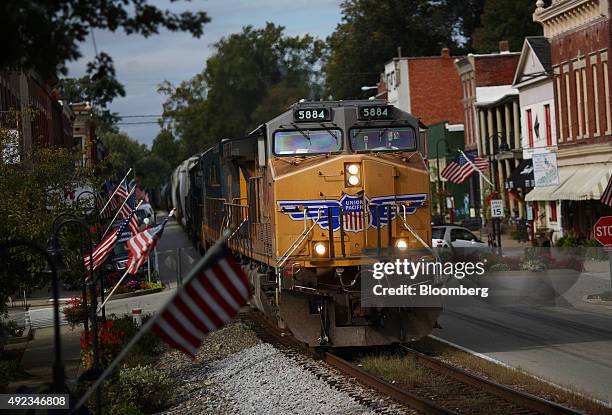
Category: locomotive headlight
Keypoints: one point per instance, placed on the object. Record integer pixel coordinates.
(353, 169)
(353, 180)
(352, 174)
(401, 244)
(320, 248)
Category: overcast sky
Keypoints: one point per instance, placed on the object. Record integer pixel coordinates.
(142, 64)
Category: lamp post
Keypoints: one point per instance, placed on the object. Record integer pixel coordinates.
(499, 146)
(54, 246)
(55, 265)
(78, 199)
(447, 150)
(55, 250)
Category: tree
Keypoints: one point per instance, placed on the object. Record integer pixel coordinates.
(372, 30)
(152, 171)
(241, 84)
(510, 20)
(99, 86)
(32, 192)
(124, 152)
(166, 147)
(45, 34)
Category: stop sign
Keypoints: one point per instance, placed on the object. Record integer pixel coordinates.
(603, 230)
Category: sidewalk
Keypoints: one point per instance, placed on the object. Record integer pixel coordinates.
(39, 354)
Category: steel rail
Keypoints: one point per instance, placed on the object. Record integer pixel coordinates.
(409, 399)
(517, 397)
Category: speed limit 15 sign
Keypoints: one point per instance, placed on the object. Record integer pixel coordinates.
(497, 208)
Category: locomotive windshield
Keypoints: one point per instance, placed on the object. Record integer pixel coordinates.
(307, 142)
(383, 139)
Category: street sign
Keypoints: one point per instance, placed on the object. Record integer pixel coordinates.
(497, 208)
(603, 230)
(529, 212)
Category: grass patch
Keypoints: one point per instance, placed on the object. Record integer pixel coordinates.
(514, 378)
(392, 367)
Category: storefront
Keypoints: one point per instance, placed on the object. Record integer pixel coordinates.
(572, 207)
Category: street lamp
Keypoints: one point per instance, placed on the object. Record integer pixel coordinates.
(447, 150)
(55, 264)
(368, 88)
(55, 251)
(85, 192)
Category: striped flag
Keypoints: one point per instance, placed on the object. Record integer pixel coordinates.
(205, 303)
(104, 248)
(606, 197)
(128, 211)
(460, 169)
(141, 244)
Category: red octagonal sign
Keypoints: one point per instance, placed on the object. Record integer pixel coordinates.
(603, 230)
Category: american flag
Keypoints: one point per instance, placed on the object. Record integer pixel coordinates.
(104, 248)
(606, 197)
(129, 207)
(461, 168)
(141, 244)
(205, 303)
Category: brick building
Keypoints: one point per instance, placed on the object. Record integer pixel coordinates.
(47, 122)
(426, 87)
(492, 121)
(580, 33)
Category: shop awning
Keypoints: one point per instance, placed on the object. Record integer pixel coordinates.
(582, 182)
(522, 176)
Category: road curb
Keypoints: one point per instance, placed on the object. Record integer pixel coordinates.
(138, 293)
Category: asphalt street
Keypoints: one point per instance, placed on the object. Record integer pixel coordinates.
(568, 342)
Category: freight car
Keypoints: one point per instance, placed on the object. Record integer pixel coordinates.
(312, 197)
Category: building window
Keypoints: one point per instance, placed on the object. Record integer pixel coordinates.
(559, 109)
(579, 104)
(548, 126)
(585, 102)
(596, 99)
(529, 129)
(568, 101)
(607, 97)
(553, 211)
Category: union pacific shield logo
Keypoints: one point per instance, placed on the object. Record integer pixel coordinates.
(355, 218)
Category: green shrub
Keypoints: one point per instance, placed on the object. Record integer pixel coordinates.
(533, 265)
(519, 235)
(499, 267)
(140, 389)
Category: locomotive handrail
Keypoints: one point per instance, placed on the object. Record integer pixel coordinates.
(298, 241)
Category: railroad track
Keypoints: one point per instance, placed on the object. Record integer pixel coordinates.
(532, 403)
(455, 390)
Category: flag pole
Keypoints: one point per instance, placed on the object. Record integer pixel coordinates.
(474, 166)
(117, 188)
(147, 326)
(110, 225)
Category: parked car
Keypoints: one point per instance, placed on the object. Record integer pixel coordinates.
(145, 210)
(445, 236)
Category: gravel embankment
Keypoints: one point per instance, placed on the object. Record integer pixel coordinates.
(234, 373)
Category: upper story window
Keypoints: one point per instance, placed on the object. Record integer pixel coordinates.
(300, 142)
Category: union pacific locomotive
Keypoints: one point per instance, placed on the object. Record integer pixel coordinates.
(312, 198)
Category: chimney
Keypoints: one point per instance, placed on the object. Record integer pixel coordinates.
(445, 53)
(504, 47)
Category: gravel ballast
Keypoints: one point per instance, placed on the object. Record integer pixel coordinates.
(263, 380)
(235, 373)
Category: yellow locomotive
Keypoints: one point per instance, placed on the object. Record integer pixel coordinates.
(312, 197)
